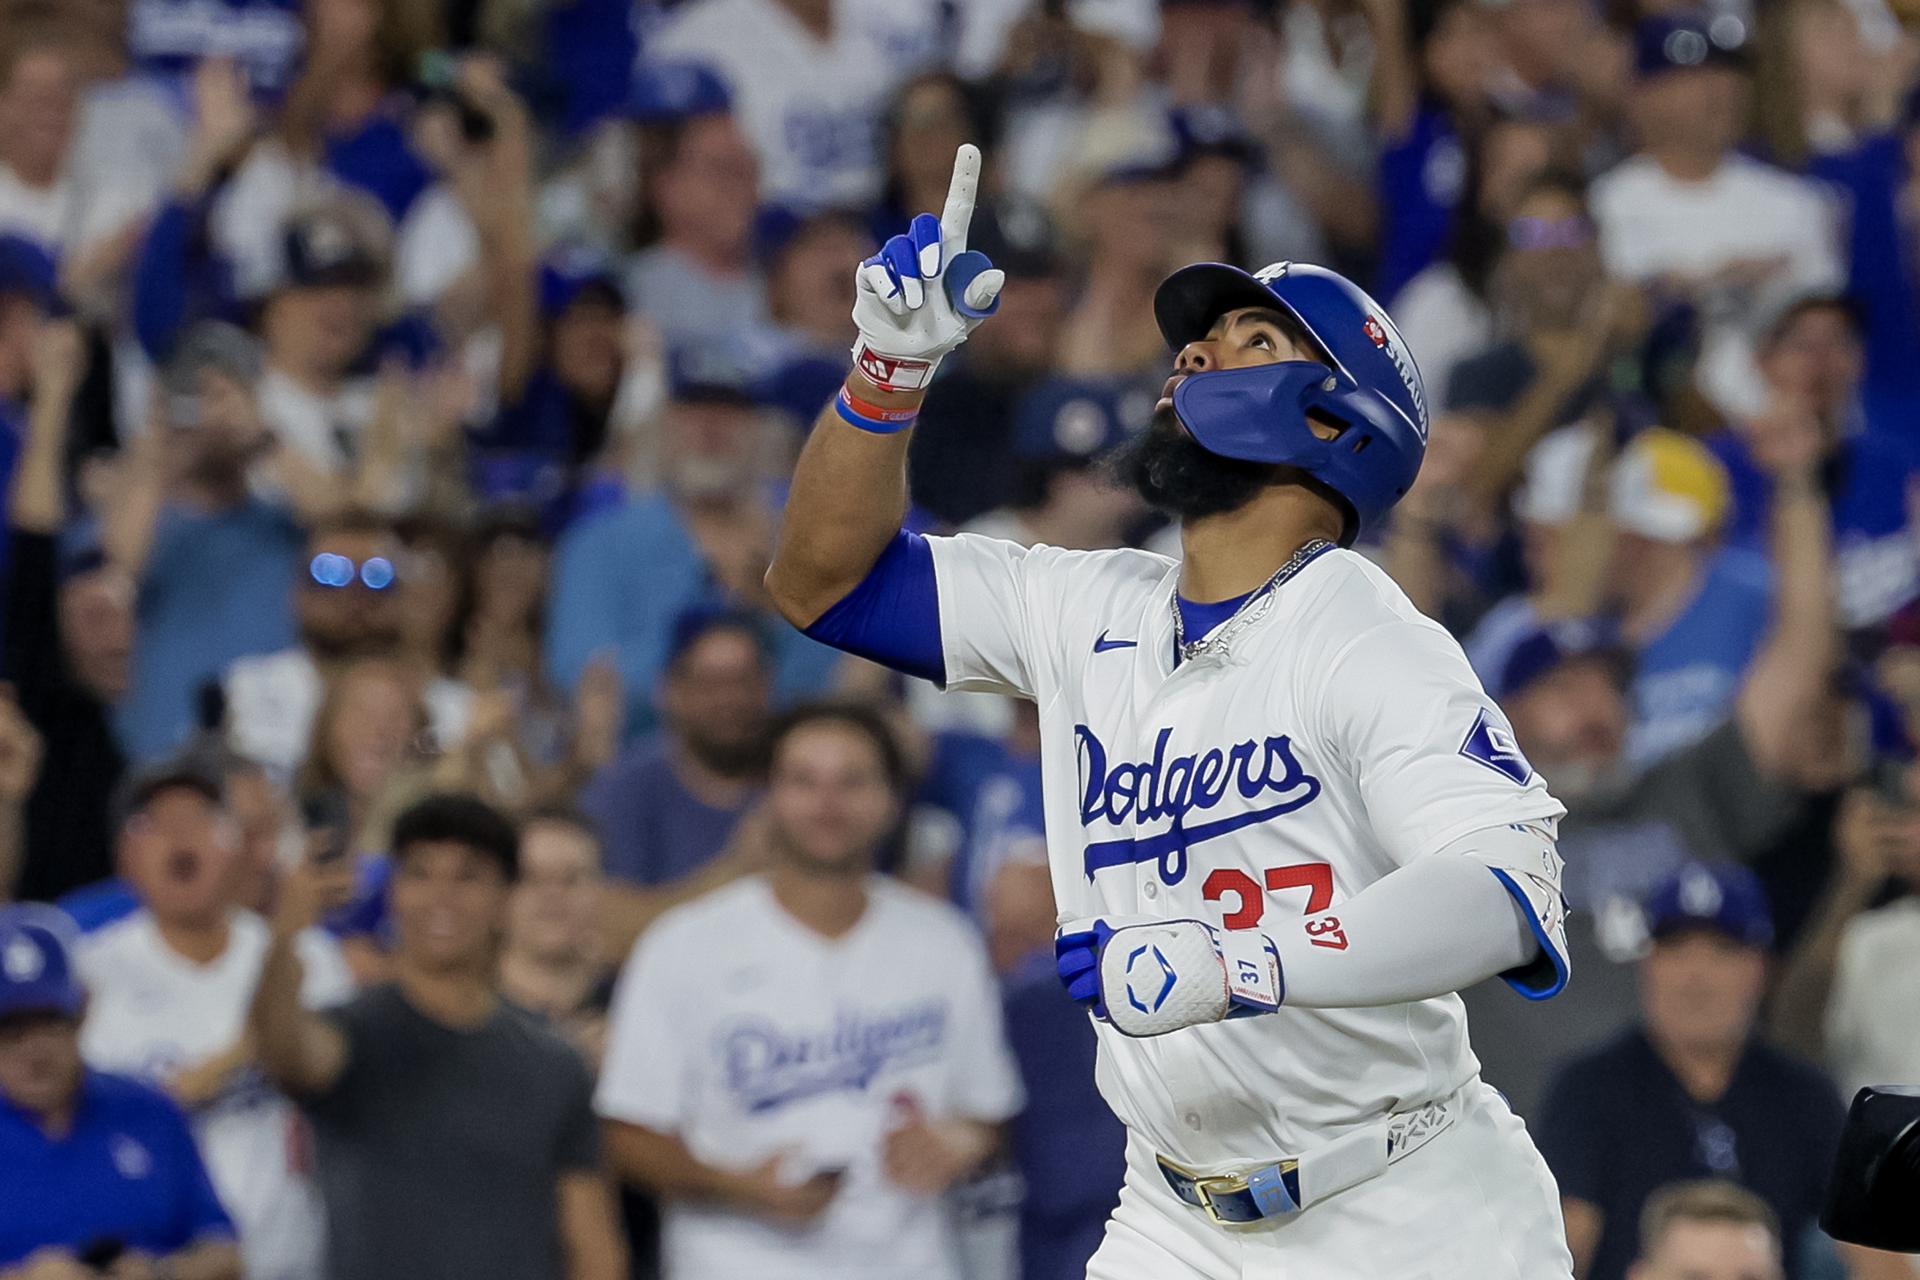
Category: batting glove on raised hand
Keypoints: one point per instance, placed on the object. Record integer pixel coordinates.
(925, 291)
(1149, 979)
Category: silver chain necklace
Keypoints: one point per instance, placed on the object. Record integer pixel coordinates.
(1251, 610)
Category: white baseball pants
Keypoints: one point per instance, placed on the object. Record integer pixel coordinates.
(1474, 1203)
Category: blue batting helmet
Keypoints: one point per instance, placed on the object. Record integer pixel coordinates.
(1369, 383)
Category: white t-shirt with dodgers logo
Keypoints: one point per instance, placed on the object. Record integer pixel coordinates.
(748, 1035)
(1340, 736)
(152, 1012)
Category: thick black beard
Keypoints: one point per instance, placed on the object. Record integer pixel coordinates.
(1165, 466)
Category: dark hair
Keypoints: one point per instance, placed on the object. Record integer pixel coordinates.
(857, 716)
(1846, 306)
(456, 817)
(696, 622)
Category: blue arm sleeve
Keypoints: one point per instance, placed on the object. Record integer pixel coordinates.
(893, 616)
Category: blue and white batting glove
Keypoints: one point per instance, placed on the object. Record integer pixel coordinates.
(925, 291)
(1149, 979)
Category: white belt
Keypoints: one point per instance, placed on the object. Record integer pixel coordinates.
(1290, 1185)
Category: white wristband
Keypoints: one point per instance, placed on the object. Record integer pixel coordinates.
(893, 373)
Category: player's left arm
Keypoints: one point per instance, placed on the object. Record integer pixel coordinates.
(1488, 904)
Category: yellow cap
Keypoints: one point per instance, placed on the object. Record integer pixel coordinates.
(1668, 487)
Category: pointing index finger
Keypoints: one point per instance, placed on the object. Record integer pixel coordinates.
(958, 213)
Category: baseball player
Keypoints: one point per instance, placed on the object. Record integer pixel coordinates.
(1284, 823)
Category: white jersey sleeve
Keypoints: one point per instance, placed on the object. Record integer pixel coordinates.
(642, 1078)
(1433, 757)
(1006, 611)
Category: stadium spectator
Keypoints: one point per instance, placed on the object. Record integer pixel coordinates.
(674, 802)
(347, 601)
(706, 534)
(98, 1173)
(59, 187)
(213, 561)
(1688, 212)
(168, 988)
(68, 637)
(1692, 614)
(1844, 989)
(1707, 1229)
(317, 323)
(595, 377)
(454, 1134)
(1560, 324)
(1812, 357)
(1443, 311)
(817, 1103)
(368, 734)
(1435, 73)
(809, 82)
(552, 961)
(812, 331)
(697, 280)
(1691, 1092)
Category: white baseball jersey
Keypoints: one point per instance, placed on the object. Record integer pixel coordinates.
(1340, 735)
(151, 1012)
(747, 1034)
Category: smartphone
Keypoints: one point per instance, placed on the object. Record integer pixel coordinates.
(328, 827)
(438, 77)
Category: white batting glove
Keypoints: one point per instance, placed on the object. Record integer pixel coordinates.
(1149, 979)
(924, 292)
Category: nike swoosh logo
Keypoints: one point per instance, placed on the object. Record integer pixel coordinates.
(1104, 645)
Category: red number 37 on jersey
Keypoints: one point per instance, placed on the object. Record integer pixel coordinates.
(1251, 898)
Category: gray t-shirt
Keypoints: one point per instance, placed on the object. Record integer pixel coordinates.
(1707, 801)
(440, 1150)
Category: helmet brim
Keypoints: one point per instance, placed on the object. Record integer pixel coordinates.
(1188, 302)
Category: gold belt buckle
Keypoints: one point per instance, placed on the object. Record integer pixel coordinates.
(1225, 1184)
(1207, 1186)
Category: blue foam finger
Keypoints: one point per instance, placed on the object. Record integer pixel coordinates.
(925, 235)
(961, 273)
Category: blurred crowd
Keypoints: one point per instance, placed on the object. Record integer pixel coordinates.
(396, 399)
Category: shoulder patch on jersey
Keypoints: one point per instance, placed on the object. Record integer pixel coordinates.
(1492, 744)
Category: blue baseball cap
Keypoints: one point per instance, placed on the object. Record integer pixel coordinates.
(1548, 645)
(573, 274)
(1722, 896)
(36, 963)
(1685, 41)
(1077, 419)
(26, 269)
(664, 92)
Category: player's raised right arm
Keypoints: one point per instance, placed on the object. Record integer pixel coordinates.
(914, 301)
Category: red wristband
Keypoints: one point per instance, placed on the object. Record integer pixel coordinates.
(872, 417)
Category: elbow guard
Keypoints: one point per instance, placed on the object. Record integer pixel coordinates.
(1522, 857)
